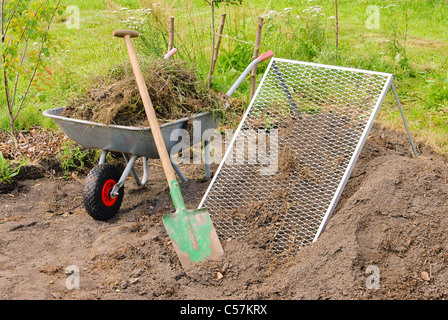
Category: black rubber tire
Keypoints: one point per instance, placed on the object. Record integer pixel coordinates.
(92, 192)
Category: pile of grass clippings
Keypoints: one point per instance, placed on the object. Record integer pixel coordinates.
(174, 89)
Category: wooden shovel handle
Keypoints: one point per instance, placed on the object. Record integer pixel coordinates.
(123, 33)
(150, 113)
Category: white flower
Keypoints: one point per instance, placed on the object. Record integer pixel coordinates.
(316, 9)
(332, 17)
(272, 13)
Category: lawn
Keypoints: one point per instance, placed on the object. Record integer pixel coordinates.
(406, 38)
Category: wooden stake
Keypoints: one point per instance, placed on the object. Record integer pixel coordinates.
(209, 78)
(218, 41)
(171, 34)
(336, 29)
(256, 53)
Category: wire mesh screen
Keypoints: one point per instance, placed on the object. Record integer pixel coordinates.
(297, 141)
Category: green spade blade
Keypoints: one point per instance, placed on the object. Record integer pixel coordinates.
(191, 231)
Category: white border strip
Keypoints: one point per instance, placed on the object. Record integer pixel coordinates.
(354, 158)
(230, 147)
(356, 153)
(326, 66)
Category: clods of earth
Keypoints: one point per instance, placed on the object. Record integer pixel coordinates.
(387, 238)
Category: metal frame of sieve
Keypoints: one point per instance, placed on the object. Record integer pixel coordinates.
(320, 114)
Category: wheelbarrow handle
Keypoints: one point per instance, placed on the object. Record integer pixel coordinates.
(170, 53)
(249, 68)
(266, 55)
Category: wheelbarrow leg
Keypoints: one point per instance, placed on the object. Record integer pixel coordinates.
(130, 162)
(145, 171)
(207, 157)
(128, 169)
(178, 171)
(103, 156)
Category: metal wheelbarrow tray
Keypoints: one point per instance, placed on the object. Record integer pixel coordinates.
(104, 185)
(132, 142)
(126, 139)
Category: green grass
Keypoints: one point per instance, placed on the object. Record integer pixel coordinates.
(87, 52)
(411, 43)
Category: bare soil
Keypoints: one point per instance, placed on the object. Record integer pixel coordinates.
(391, 219)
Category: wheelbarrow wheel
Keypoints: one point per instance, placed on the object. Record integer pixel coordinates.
(98, 185)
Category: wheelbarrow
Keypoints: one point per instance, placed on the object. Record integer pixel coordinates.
(103, 189)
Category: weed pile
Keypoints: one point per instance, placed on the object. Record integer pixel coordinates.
(174, 89)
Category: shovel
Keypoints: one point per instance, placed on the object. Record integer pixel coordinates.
(191, 231)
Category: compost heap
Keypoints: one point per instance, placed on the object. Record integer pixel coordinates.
(174, 89)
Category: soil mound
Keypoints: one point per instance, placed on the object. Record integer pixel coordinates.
(387, 239)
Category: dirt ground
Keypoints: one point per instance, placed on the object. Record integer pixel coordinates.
(386, 240)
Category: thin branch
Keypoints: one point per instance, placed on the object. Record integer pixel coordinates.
(1, 19)
(2, 40)
(5, 76)
(13, 97)
(18, 72)
(38, 60)
(7, 25)
(21, 61)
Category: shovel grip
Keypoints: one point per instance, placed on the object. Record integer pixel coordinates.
(123, 33)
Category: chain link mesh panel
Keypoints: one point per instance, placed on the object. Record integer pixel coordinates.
(296, 142)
